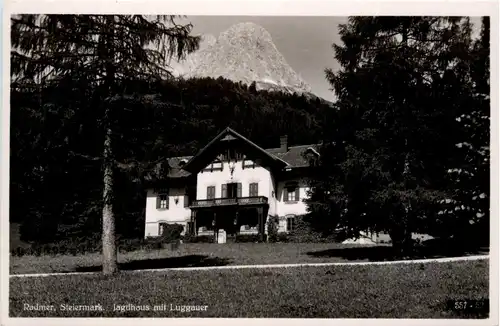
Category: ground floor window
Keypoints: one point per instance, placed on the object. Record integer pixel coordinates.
(290, 223)
(161, 228)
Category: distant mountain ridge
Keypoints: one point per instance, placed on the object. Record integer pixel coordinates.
(243, 53)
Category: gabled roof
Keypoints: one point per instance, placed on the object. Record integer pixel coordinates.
(293, 157)
(230, 134)
(175, 164)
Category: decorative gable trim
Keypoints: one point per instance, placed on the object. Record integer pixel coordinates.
(228, 138)
(216, 165)
(228, 134)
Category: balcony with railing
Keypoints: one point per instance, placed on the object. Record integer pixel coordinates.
(257, 200)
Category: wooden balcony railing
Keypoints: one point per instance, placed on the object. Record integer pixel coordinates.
(229, 201)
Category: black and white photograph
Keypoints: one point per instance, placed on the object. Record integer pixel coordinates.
(249, 166)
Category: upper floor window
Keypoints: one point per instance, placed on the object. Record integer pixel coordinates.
(162, 200)
(291, 192)
(210, 192)
(254, 189)
(231, 190)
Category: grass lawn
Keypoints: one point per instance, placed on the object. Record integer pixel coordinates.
(207, 254)
(376, 291)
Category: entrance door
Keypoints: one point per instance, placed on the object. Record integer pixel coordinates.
(231, 190)
(227, 219)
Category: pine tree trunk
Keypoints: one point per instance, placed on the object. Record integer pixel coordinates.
(109, 254)
(400, 233)
(401, 241)
(108, 219)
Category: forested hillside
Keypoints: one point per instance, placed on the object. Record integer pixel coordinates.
(56, 144)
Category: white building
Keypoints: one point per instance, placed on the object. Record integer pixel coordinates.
(232, 185)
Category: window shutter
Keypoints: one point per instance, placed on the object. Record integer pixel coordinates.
(209, 192)
(186, 200)
(167, 198)
(239, 190)
(224, 190)
(158, 202)
(285, 194)
(297, 193)
(254, 189)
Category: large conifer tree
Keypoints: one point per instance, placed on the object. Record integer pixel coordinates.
(97, 53)
(465, 214)
(383, 166)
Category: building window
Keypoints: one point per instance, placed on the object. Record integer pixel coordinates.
(290, 223)
(162, 201)
(291, 193)
(254, 189)
(211, 192)
(231, 190)
(161, 228)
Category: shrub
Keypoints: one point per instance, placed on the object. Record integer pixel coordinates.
(247, 238)
(282, 237)
(82, 245)
(272, 229)
(171, 232)
(199, 239)
(303, 233)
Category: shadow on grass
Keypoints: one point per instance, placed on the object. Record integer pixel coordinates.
(172, 262)
(435, 248)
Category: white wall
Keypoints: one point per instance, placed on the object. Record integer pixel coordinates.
(296, 208)
(273, 196)
(260, 175)
(176, 213)
(290, 208)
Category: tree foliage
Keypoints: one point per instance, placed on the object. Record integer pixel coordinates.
(400, 91)
(95, 55)
(157, 120)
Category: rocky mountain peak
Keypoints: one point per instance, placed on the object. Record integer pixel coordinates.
(245, 52)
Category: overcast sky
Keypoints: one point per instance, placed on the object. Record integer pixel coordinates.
(305, 42)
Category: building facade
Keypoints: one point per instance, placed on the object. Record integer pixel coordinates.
(232, 186)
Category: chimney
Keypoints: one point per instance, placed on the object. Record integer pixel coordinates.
(284, 143)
